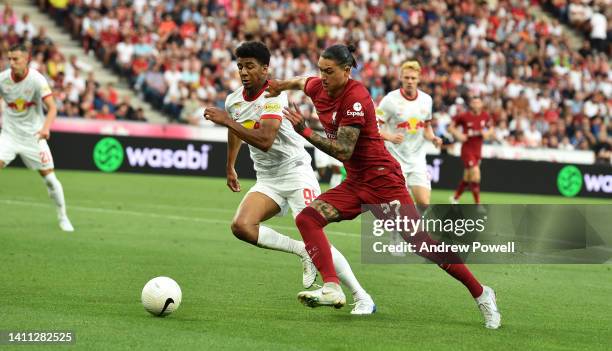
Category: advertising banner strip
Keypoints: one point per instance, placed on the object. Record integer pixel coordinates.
(207, 158)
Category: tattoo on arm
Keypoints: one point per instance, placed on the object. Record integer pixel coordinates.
(329, 212)
(341, 148)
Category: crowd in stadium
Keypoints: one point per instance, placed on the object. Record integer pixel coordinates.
(539, 91)
(591, 17)
(77, 92)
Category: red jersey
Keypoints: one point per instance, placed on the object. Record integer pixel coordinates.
(354, 107)
(473, 126)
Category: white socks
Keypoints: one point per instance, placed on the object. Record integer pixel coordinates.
(336, 179)
(271, 239)
(56, 192)
(345, 274)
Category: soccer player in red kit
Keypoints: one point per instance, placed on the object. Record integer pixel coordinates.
(475, 127)
(347, 113)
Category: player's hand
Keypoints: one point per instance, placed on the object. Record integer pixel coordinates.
(216, 115)
(295, 117)
(397, 138)
(274, 88)
(437, 142)
(43, 134)
(232, 180)
(462, 138)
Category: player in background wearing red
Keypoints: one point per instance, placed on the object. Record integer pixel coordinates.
(347, 113)
(475, 125)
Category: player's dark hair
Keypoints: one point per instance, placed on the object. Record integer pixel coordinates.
(254, 49)
(19, 47)
(341, 54)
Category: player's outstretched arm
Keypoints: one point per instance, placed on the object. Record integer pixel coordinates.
(261, 138)
(342, 148)
(233, 147)
(275, 87)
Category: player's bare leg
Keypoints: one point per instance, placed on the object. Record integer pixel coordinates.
(422, 197)
(56, 193)
(465, 181)
(256, 208)
(2, 164)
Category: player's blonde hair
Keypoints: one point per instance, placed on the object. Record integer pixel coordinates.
(412, 65)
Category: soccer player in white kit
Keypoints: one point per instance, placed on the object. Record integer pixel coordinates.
(405, 124)
(284, 174)
(25, 129)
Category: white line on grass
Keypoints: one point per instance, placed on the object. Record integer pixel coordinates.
(154, 215)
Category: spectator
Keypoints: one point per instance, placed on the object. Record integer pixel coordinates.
(603, 148)
(105, 114)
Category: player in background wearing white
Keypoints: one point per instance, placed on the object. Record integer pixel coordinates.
(405, 123)
(284, 174)
(25, 129)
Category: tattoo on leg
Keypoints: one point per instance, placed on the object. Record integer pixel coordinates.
(329, 212)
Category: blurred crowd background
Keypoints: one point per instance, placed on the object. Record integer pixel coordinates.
(542, 87)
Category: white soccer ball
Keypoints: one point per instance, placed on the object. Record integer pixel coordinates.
(161, 296)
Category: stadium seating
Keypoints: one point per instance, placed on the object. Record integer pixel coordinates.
(591, 17)
(77, 92)
(539, 91)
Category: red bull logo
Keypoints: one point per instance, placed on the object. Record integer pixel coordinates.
(20, 105)
(412, 125)
(250, 124)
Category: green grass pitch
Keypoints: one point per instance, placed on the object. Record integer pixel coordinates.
(131, 228)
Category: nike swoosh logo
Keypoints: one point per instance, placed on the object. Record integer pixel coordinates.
(168, 302)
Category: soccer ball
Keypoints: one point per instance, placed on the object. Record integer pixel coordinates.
(161, 296)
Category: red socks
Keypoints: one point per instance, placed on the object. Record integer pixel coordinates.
(460, 272)
(310, 224)
(460, 189)
(475, 187)
(476, 192)
(448, 261)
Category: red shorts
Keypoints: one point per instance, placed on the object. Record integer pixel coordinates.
(350, 195)
(470, 157)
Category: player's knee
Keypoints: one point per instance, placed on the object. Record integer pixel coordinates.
(241, 229)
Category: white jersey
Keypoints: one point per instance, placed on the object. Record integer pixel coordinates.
(23, 114)
(398, 114)
(287, 153)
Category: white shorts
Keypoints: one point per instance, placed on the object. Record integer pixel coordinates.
(417, 175)
(323, 160)
(34, 153)
(295, 191)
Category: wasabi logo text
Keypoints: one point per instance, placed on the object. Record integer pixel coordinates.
(190, 158)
